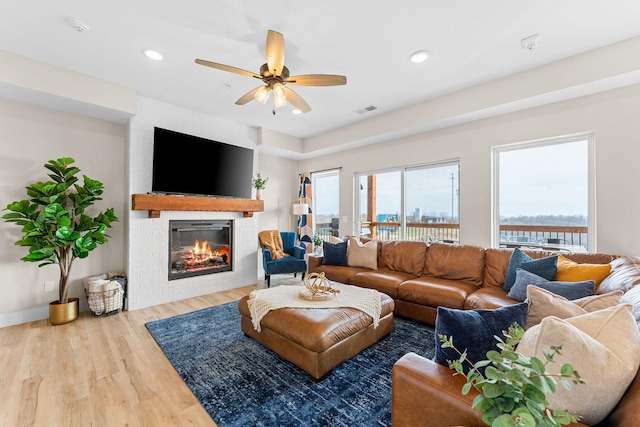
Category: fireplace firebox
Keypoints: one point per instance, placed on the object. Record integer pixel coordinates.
(199, 247)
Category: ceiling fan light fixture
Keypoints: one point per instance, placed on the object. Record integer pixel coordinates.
(279, 90)
(419, 56)
(262, 95)
(296, 111)
(279, 101)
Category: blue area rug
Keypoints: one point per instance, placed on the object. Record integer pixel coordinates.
(241, 383)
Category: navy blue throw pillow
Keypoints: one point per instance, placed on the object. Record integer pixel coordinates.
(474, 331)
(569, 290)
(543, 267)
(334, 253)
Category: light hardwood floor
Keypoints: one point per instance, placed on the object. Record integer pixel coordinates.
(96, 371)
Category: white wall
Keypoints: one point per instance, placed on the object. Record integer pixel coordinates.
(611, 115)
(148, 237)
(31, 136)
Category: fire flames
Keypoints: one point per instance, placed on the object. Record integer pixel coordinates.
(201, 253)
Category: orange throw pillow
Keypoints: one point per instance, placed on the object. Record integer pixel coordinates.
(571, 271)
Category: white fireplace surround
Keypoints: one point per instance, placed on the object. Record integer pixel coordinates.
(148, 239)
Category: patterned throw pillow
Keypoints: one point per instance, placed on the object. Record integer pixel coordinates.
(543, 267)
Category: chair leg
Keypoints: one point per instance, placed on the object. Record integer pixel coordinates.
(294, 275)
(268, 278)
(302, 276)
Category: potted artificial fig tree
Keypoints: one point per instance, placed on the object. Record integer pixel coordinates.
(56, 228)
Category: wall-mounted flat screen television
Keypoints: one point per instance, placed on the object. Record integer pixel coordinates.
(186, 164)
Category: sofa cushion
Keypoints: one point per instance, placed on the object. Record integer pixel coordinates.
(496, 263)
(403, 255)
(338, 273)
(362, 254)
(334, 253)
(544, 303)
(383, 280)
(571, 271)
(569, 290)
(603, 346)
(435, 292)
(455, 262)
(543, 267)
(488, 297)
(474, 330)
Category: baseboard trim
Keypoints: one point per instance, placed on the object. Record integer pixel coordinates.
(32, 314)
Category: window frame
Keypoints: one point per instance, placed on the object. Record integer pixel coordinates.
(357, 223)
(589, 137)
(314, 176)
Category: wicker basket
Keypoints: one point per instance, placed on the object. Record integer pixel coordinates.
(106, 302)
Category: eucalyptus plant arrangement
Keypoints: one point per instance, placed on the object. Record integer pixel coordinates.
(513, 387)
(54, 224)
(258, 182)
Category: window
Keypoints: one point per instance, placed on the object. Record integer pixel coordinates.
(326, 202)
(412, 203)
(544, 194)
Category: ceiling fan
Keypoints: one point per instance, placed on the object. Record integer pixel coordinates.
(276, 76)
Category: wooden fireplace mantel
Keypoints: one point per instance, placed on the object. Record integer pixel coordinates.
(155, 203)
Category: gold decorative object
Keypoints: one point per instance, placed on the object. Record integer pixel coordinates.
(317, 288)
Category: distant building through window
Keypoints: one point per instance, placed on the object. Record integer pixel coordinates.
(543, 194)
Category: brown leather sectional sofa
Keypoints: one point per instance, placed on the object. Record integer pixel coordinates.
(420, 278)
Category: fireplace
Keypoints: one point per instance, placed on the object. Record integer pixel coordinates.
(199, 247)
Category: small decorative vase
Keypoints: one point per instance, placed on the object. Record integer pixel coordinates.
(317, 250)
(258, 194)
(59, 314)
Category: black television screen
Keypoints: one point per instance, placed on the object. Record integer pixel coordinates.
(186, 164)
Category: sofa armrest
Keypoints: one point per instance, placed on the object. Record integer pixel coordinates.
(313, 262)
(425, 390)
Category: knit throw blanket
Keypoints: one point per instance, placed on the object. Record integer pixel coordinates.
(272, 240)
(261, 301)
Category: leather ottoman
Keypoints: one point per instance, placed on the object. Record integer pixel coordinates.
(318, 339)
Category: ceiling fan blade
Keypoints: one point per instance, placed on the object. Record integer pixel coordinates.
(275, 52)
(297, 101)
(249, 96)
(227, 68)
(317, 80)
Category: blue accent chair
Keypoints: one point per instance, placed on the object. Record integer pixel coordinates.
(295, 263)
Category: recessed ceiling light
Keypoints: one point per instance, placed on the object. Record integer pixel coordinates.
(153, 54)
(296, 111)
(419, 56)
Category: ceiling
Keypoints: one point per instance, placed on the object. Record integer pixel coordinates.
(471, 42)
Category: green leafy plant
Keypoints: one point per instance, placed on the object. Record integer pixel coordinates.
(54, 224)
(513, 388)
(259, 182)
(317, 240)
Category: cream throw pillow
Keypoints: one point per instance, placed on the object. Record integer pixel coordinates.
(362, 255)
(603, 346)
(543, 303)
